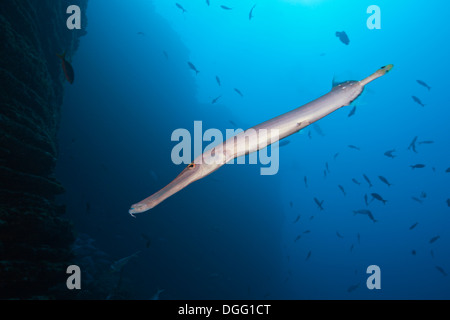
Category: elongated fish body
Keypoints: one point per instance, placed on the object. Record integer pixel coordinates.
(260, 136)
(297, 119)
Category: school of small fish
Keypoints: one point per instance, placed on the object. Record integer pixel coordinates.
(376, 182)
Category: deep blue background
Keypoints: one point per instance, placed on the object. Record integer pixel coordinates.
(231, 235)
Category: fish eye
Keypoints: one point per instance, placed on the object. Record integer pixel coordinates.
(191, 166)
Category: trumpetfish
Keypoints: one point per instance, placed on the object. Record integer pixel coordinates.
(284, 125)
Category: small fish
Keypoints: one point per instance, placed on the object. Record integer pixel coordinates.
(384, 180)
(342, 189)
(67, 68)
(214, 101)
(343, 37)
(423, 195)
(412, 145)
(413, 226)
(368, 180)
(448, 170)
(353, 287)
(308, 256)
(389, 153)
(378, 197)
(324, 173)
(140, 33)
(298, 238)
(351, 248)
(432, 253)
(238, 92)
(337, 154)
(306, 181)
(339, 235)
(226, 8)
(358, 236)
(180, 7)
(191, 65)
(434, 239)
(423, 84)
(326, 167)
(448, 202)
(356, 181)
(207, 2)
(218, 81)
(426, 142)
(318, 129)
(417, 199)
(441, 270)
(309, 134)
(119, 264)
(365, 200)
(417, 166)
(157, 294)
(367, 212)
(417, 100)
(250, 15)
(413, 252)
(147, 240)
(352, 112)
(307, 231)
(291, 204)
(298, 218)
(319, 203)
(354, 147)
(166, 55)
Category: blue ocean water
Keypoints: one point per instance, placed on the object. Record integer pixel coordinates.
(232, 235)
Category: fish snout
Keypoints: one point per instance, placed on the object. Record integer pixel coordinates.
(388, 67)
(138, 208)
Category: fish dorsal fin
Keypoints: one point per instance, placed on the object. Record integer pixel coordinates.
(335, 83)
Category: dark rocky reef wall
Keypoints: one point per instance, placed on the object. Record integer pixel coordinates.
(34, 239)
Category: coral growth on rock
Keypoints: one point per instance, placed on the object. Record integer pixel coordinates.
(35, 240)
